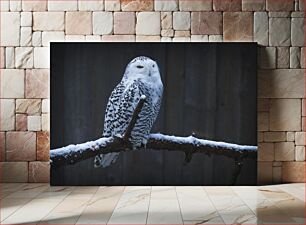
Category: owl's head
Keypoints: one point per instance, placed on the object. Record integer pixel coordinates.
(142, 68)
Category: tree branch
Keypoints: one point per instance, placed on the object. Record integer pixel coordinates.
(189, 145)
(159, 142)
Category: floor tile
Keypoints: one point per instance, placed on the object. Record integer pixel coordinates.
(132, 207)
(100, 208)
(164, 206)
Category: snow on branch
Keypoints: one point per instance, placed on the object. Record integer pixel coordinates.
(189, 145)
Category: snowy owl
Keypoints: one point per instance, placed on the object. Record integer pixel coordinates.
(141, 77)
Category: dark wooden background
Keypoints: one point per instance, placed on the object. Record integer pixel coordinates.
(209, 89)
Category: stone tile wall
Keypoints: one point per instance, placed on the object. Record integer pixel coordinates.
(28, 26)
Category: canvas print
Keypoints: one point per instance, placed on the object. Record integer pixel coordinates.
(153, 114)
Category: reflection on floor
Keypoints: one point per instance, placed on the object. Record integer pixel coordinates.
(42, 204)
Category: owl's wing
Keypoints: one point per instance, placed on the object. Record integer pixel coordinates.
(112, 107)
(127, 105)
(120, 108)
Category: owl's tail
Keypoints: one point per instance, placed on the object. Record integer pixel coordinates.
(105, 160)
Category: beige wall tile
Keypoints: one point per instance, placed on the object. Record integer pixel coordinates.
(26, 19)
(46, 105)
(283, 57)
(14, 171)
(261, 28)
(300, 153)
(41, 57)
(142, 27)
(12, 83)
(303, 107)
(199, 38)
(9, 57)
(137, 5)
(169, 5)
(37, 83)
(124, 22)
(34, 123)
(181, 21)
(267, 57)
(25, 36)
(229, 5)
(263, 121)
(28, 106)
(143, 38)
(166, 20)
(2, 146)
(297, 32)
(285, 115)
(301, 5)
(48, 21)
(182, 33)
(78, 23)
(43, 146)
(295, 57)
(21, 122)
(253, 5)
(37, 39)
(277, 5)
(34, 5)
(260, 136)
(39, 172)
(215, 38)
(10, 28)
(279, 14)
(275, 136)
(284, 151)
(102, 23)
(15, 5)
(203, 5)
(45, 122)
(71, 5)
(281, 83)
(277, 174)
(52, 36)
(93, 38)
(118, 38)
(293, 172)
(265, 151)
(2, 57)
(264, 174)
(112, 5)
(75, 38)
(238, 26)
(290, 136)
(4, 5)
(300, 138)
(20, 146)
(23, 57)
(7, 114)
(206, 23)
(279, 32)
(166, 39)
(91, 5)
(181, 39)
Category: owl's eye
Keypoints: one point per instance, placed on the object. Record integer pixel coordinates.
(139, 67)
(153, 66)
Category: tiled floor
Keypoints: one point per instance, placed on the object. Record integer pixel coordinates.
(42, 204)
